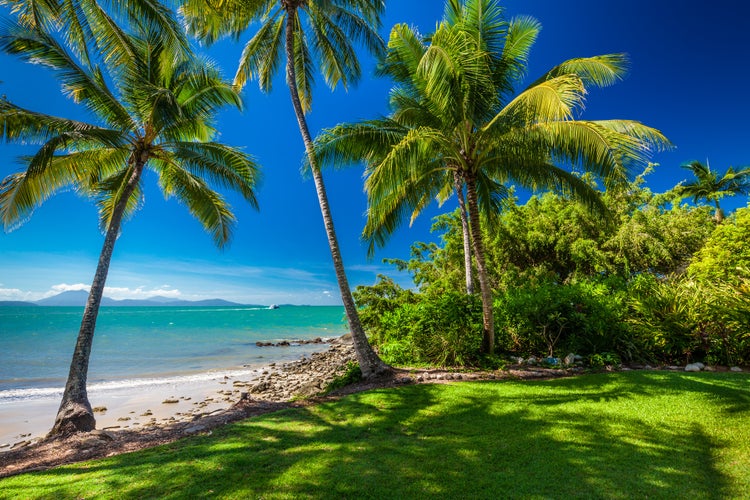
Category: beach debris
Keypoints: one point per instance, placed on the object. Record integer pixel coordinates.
(147, 413)
(99, 409)
(170, 401)
(123, 419)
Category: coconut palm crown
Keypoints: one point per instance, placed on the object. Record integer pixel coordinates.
(710, 187)
(153, 109)
(308, 35)
(458, 120)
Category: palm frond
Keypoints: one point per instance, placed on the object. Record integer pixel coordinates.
(108, 192)
(613, 150)
(602, 71)
(405, 51)
(304, 66)
(204, 204)
(80, 84)
(262, 55)
(332, 48)
(552, 100)
(219, 164)
(364, 141)
(159, 17)
(210, 21)
(514, 58)
(20, 125)
(22, 192)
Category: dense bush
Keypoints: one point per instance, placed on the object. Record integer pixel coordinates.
(685, 320)
(443, 330)
(552, 319)
(726, 255)
(567, 281)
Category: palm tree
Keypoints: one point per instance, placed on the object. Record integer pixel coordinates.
(456, 115)
(710, 187)
(154, 110)
(305, 33)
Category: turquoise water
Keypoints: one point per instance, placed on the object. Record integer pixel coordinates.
(133, 344)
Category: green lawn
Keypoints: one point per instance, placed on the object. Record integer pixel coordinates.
(621, 435)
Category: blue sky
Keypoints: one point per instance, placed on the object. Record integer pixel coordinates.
(688, 78)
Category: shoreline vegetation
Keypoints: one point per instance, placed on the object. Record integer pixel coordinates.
(307, 381)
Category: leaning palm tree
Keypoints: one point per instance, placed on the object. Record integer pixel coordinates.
(456, 115)
(710, 187)
(154, 110)
(305, 33)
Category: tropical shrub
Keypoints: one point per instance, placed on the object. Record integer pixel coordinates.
(435, 329)
(726, 253)
(684, 320)
(549, 319)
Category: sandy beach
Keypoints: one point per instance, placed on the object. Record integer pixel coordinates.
(160, 404)
(130, 407)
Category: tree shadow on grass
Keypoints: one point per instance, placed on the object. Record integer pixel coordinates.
(729, 390)
(548, 439)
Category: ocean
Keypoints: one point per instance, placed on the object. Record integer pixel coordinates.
(143, 346)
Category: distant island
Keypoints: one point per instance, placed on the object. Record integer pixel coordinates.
(78, 299)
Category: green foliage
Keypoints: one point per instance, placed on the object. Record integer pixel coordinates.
(352, 374)
(548, 319)
(553, 238)
(408, 329)
(568, 281)
(599, 361)
(448, 329)
(686, 320)
(726, 255)
(376, 302)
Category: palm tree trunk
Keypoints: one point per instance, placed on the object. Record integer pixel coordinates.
(458, 186)
(75, 413)
(488, 318)
(719, 213)
(369, 362)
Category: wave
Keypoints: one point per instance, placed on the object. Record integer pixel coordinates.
(42, 393)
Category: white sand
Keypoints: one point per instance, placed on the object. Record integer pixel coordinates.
(127, 407)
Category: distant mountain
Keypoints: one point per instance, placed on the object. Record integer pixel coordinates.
(15, 303)
(166, 302)
(72, 298)
(78, 299)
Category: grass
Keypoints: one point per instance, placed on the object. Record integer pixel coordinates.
(621, 435)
